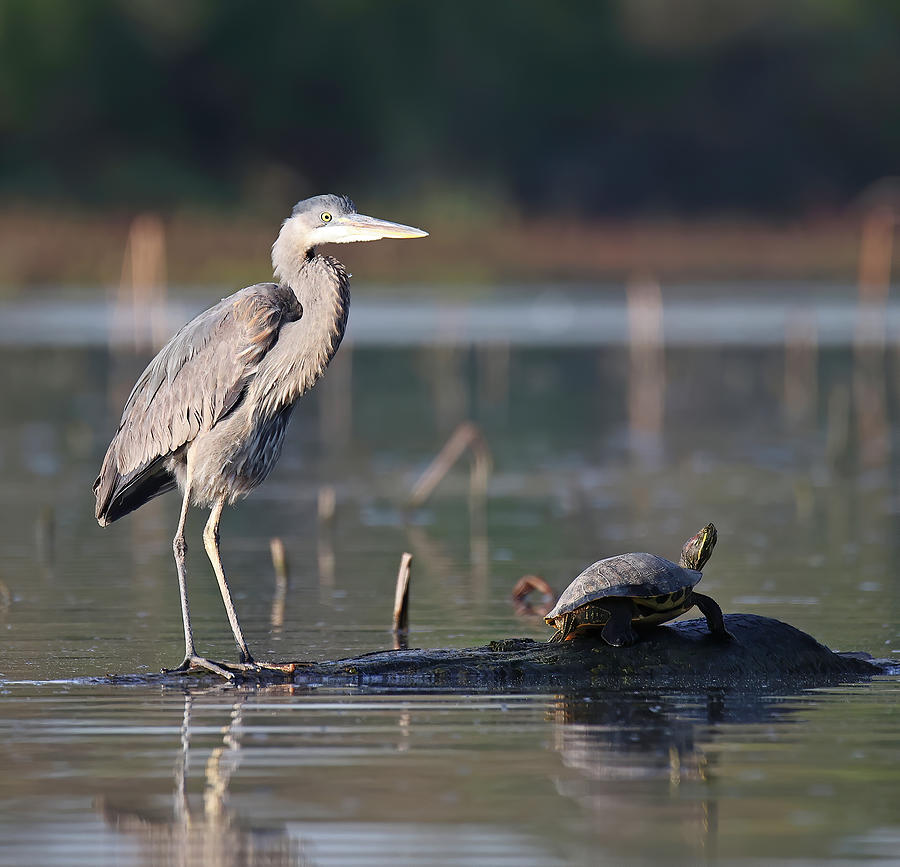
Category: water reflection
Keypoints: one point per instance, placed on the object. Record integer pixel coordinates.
(434, 555)
(645, 752)
(246, 792)
(213, 835)
(635, 763)
(466, 438)
(281, 776)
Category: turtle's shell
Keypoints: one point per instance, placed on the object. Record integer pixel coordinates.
(635, 575)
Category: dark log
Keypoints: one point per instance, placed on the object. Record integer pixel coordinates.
(765, 654)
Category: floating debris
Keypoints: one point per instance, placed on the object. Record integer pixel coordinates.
(527, 585)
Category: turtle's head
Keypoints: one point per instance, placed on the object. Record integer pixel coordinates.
(698, 548)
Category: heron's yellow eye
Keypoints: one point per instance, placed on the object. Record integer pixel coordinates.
(325, 217)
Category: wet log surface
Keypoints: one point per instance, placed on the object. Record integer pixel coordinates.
(765, 654)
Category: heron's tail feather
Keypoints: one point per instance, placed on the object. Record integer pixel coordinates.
(118, 495)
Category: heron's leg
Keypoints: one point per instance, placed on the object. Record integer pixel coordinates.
(211, 542)
(709, 608)
(179, 546)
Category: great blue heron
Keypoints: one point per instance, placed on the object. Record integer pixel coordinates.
(210, 411)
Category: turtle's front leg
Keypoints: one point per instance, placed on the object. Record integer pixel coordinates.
(618, 630)
(565, 625)
(709, 608)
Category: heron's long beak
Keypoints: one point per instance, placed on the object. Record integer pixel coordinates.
(358, 227)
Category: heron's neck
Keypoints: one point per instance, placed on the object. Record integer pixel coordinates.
(322, 287)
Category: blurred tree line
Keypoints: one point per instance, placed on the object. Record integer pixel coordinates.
(636, 106)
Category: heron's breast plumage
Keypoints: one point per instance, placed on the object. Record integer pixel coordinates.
(237, 454)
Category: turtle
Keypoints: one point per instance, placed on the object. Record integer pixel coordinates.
(637, 589)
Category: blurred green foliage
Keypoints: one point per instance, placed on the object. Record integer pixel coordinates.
(570, 106)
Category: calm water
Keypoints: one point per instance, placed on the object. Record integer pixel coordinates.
(791, 449)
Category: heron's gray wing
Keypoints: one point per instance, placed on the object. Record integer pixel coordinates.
(197, 378)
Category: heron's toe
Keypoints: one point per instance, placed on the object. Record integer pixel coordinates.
(193, 662)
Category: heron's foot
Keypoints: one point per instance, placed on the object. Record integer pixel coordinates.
(259, 667)
(248, 663)
(191, 662)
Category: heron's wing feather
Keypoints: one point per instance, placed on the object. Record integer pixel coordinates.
(197, 378)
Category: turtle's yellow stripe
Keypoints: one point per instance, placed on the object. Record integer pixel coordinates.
(658, 609)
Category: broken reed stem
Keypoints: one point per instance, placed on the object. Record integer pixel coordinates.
(279, 558)
(466, 435)
(646, 345)
(279, 562)
(326, 503)
(401, 597)
(142, 288)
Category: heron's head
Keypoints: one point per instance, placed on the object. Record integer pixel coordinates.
(330, 219)
(699, 547)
